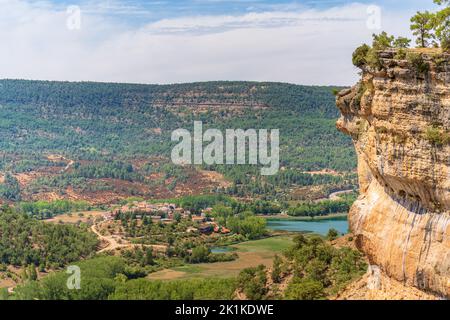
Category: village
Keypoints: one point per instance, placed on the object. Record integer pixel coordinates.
(156, 225)
(167, 213)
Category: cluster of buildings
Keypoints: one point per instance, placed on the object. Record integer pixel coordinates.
(164, 212)
(167, 212)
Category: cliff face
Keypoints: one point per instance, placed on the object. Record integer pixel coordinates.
(399, 119)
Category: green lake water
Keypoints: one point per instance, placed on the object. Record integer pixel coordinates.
(314, 226)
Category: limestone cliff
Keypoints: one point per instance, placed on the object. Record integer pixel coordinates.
(399, 118)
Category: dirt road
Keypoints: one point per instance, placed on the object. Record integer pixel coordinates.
(113, 243)
(335, 196)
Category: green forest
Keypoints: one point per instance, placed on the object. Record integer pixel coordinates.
(106, 128)
(25, 241)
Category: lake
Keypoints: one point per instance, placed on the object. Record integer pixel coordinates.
(315, 226)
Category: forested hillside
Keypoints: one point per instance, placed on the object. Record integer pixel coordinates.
(25, 241)
(107, 140)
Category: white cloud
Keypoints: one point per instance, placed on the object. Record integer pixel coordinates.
(256, 20)
(309, 47)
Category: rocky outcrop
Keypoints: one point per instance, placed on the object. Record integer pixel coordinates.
(399, 118)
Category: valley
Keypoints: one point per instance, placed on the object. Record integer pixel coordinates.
(99, 162)
(201, 150)
(146, 228)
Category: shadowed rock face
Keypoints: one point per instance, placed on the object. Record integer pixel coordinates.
(399, 119)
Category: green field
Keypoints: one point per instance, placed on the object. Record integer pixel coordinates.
(273, 244)
(251, 254)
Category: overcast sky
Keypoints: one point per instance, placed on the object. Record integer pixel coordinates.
(156, 41)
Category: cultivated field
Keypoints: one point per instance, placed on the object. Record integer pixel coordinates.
(85, 216)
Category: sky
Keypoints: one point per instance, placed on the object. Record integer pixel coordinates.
(176, 41)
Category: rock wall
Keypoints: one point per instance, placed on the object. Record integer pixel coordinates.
(399, 119)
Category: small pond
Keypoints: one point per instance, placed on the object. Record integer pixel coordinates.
(221, 249)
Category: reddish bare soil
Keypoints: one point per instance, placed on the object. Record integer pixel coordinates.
(114, 190)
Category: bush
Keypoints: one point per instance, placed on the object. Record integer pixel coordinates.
(305, 289)
(417, 62)
(373, 59)
(332, 234)
(439, 60)
(200, 254)
(276, 269)
(252, 281)
(359, 56)
(400, 54)
(436, 136)
(134, 272)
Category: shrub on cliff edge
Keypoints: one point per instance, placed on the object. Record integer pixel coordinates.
(359, 56)
(417, 62)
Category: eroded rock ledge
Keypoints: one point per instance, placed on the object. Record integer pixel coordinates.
(399, 119)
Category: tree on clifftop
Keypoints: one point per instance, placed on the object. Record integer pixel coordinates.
(442, 24)
(402, 42)
(433, 26)
(422, 25)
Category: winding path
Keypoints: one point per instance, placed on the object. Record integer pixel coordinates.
(337, 195)
(113, 244)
